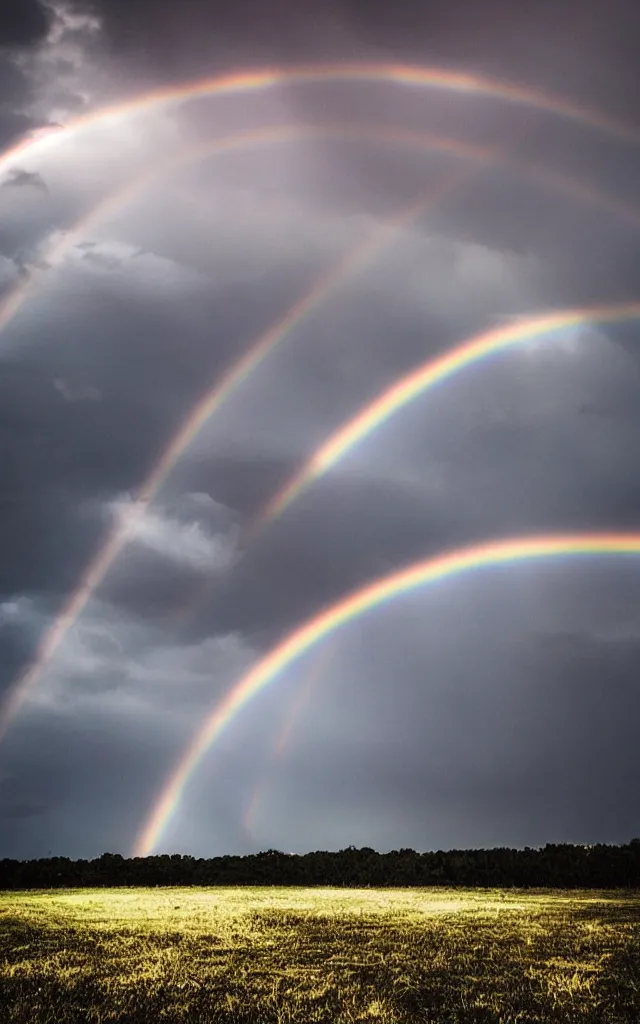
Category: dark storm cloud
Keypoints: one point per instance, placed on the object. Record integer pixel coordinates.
(116, 708)
(116, 345)
(199, 37)
(584, 52)
(23, 23)
(145, 385)
(13, 803)
(91, 771)
(47, 467)
(576, 48)
(308, 540)
(531, 737)
(15, 92)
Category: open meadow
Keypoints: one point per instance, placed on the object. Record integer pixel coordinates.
(249, 954)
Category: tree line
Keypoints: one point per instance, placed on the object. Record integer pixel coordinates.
(555, 865)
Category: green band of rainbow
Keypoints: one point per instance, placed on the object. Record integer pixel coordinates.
(346, 610)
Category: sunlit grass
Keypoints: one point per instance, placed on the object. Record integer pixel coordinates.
(276, 955)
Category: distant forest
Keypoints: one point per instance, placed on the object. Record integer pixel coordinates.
(555, 865)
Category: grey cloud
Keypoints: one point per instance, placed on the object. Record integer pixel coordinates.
(102, 260)
(20, 178)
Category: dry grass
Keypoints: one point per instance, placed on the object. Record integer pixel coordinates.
(276, 955)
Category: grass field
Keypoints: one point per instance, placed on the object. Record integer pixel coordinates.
(306, 955)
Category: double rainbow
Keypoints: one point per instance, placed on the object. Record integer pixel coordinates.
(212, 400)
(262, 79)
(303, 639)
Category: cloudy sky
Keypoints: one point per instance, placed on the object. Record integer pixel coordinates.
(499, 708)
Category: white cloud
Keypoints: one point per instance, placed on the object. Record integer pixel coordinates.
(204, 500)
(192, 668)
(72, 392)
(186, 544)
(443, 275)
(16, 609)
(238, 232)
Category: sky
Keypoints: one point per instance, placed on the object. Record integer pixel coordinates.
(494, 709)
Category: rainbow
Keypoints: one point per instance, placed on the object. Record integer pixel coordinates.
(305, 637)
(469, 352)
(259, 80)
(363, 424)
(112, 204)
(422, 379)
(100, 564)
(117, 538)
(315, 674)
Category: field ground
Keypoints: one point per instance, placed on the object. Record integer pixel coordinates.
(286, 955)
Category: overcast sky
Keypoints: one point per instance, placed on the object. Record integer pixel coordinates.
(500, 708)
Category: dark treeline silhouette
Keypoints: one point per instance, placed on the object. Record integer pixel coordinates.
(555, 865)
